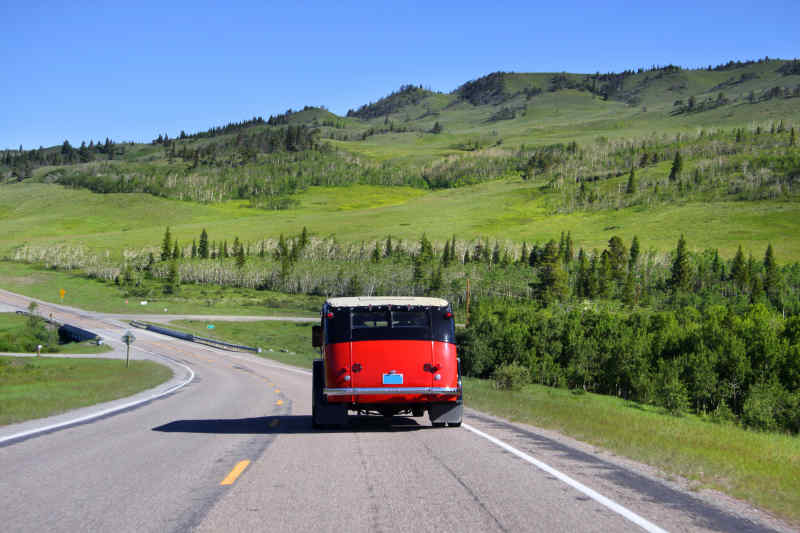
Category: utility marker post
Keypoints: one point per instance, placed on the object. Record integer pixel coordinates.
(128, 339)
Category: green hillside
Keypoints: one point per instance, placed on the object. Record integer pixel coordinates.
(554, 151)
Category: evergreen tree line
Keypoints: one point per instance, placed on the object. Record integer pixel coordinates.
(736, 365)
(623, 276)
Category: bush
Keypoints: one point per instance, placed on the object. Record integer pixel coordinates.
(511, 376)
(762, 406)
(723, 414)
(671, 393)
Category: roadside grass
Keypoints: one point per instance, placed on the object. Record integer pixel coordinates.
(287, 342)
(13, 327)
(761, 468)
(106, 297)
(43, 386)
(506, 210)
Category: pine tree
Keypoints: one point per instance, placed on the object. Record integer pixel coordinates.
(629, 290)
(224, 254)
(282, 251)
(603, 274)
(436, 280)
(173, 279)
(166, 246)
(533, 258)
(791, 137)
(417, 275)
(679, 279)
(446, 254)
(634, 257)
(304, 238)
(739, 270)
(677, 167)
(582, 285)
(176, 251)
(376, 253)
(569, 249)
(618, 258)
(241, 259)
(552, 276)
(496, 253)
(425, 249)
(194, 248)
(632, 186)
(202, 249)
(523, 256)
(771, 274)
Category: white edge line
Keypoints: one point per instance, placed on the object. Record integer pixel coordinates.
(104, 412)
(614, 506)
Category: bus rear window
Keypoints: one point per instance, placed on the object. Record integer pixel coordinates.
(410, 319)
(370, 319)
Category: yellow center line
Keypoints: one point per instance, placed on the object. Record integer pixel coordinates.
(279, 402)
(235, 473)
(277, 391)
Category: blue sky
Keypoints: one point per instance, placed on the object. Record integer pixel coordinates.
(128, 71)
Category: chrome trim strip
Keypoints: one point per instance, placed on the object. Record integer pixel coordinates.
(390, 390)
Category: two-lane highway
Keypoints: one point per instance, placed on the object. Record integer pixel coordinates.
(245, 421)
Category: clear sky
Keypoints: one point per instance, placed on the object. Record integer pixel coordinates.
(132, 70)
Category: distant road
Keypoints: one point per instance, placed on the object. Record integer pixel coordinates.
(245, 421)
(223, 318)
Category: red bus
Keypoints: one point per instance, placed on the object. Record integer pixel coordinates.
(388, 356)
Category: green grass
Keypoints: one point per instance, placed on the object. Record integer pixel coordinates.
(506, 209)
(761, 468)
(38, 387)
(14, 326)
(290, 342)
(95, 295)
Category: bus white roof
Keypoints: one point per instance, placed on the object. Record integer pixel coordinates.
(362, 301)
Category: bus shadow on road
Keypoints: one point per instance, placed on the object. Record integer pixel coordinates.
(288, 424)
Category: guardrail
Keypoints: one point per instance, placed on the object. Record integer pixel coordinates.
(194, 338)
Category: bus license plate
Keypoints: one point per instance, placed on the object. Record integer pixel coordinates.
(393, 379)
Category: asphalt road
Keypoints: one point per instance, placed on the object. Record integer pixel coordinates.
(159, 466)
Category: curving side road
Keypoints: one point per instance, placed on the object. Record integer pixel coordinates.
(158, 467)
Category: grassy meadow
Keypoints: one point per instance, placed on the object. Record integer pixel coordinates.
(44, 386)
(106, 297)
(507, 210)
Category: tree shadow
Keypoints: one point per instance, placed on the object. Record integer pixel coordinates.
(288, 424)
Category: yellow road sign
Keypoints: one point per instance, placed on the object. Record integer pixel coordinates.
(62, 292)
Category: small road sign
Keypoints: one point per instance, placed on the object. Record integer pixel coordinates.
(128, 339)
(210, 326)
(62, 292)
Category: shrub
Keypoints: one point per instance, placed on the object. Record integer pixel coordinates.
(723, 414)
(762, 406)
(671, 392)
(511, 376)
